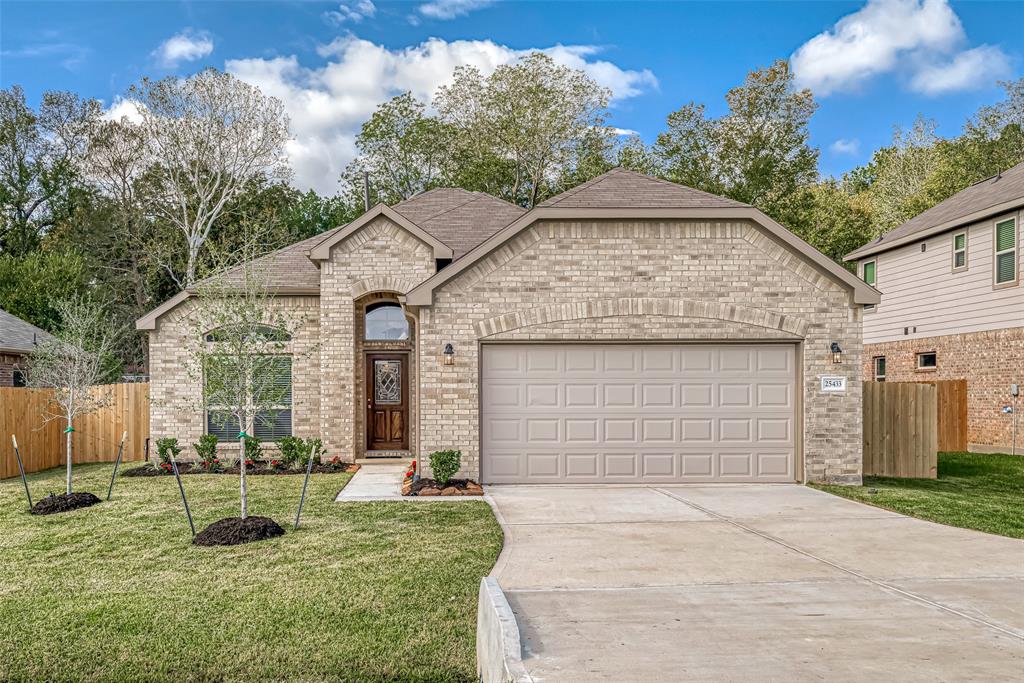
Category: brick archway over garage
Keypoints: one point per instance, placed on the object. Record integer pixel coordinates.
(602, 308)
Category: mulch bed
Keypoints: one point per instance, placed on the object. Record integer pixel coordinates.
(235, 531)
(63, 503)
(258, 470)
(454, 487)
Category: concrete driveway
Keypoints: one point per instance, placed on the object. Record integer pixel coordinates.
(753, 583)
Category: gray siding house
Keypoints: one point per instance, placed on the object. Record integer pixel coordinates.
(952, 301)
(628, 330)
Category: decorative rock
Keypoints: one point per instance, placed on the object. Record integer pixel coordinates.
(474, 489)
(430, 491)
(450, 491)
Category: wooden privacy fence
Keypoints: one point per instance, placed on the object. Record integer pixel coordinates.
(96, 435)
(951, 396)
(901, 432)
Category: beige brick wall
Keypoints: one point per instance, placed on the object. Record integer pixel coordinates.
(989, 361)
(615, 280)
(175, 390)
(380, 257)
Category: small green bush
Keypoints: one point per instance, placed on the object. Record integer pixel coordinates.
(206, 449)
(253, 449)
(165, 448)
(295, 451)
(445, 464)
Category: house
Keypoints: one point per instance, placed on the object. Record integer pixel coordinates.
(17, 339)
(952, 302)
(628, 330)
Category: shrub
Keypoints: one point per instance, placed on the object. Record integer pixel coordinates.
(445, 464)
(295, 451)
(165, 448)
(253, 449)
(317, 446)
(206, 449)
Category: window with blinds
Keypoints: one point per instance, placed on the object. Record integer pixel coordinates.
(868, 275)
(272, 419)
(1006, 252)
(959, 251)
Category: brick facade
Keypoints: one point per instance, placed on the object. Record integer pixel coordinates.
(640, 280)
(615, 280)
(8, 364)
(989, 361)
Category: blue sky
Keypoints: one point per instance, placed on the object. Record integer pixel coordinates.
(871, 65)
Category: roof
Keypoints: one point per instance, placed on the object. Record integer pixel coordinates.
(619, 188)
(989, 197)
(621, 194)
(18, 336)
(459, 218)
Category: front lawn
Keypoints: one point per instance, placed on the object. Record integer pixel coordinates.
(973, 490)
(362, 592)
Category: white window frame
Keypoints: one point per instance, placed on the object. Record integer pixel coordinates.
(953, 266)
(874, 368)
(1015, 250)
(870, 307)
(250, 408)
(927, 368)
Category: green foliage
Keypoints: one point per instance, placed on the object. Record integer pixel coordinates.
(444, 465)
(206, 449)
(253, 448)
(166, 448)
(32, 286)
(295, 451)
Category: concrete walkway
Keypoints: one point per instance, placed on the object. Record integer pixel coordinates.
(753, 583)
(383, 481)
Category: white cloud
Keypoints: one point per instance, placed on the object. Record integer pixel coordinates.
(186, 46)
(883, 36)
(967, 70)
(624, 132)
(844, 146)
(449, 9)
(353, 12)
(123, 109)
(327, 105)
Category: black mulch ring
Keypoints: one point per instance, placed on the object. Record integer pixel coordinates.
(258, 470)
(235, 530)
(63, 503)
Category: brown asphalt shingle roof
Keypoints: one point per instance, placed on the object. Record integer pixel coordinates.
(619, 188)
(18, 336)
(1006, 187)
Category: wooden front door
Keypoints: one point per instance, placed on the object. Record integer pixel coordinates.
(387, 401)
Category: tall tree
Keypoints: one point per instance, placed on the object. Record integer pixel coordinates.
(902, 170)
(33, 286)
(403, 150)
(758, 153)
(521, 128)
(208, 136)
(38, 152)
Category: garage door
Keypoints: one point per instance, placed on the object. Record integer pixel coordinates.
(560, 413)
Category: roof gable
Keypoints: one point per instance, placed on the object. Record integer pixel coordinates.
(619, 188)
(986, 198)
(322, 251)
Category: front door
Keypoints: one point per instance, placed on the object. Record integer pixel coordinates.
(387, 401)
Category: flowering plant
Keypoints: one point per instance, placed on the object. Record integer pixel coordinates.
(167, 467)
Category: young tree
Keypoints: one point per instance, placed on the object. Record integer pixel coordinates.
(517, 130)
(403, 150)
(38, 151)
(77, 359)
(208, 136)
(239, 338)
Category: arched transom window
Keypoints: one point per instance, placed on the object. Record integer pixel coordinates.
(386, 321)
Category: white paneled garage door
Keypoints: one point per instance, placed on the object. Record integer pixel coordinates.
(564, 413)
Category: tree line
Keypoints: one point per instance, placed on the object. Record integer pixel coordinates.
(128, 211)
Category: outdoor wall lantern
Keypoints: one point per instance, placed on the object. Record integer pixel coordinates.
(837, 353)
(449, 354)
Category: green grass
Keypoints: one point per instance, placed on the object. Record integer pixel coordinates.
(361, 592)
(973, 491)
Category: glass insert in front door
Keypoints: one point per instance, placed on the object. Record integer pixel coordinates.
(387, 382)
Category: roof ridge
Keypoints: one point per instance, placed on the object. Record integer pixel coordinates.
(562, 196)
(439, 213)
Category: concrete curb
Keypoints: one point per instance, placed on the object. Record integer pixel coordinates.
(499, 657)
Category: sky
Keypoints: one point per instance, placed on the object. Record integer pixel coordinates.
(871, 65)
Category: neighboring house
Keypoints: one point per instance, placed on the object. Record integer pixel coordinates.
(628, 330)
(952, 302)
(17, 339)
